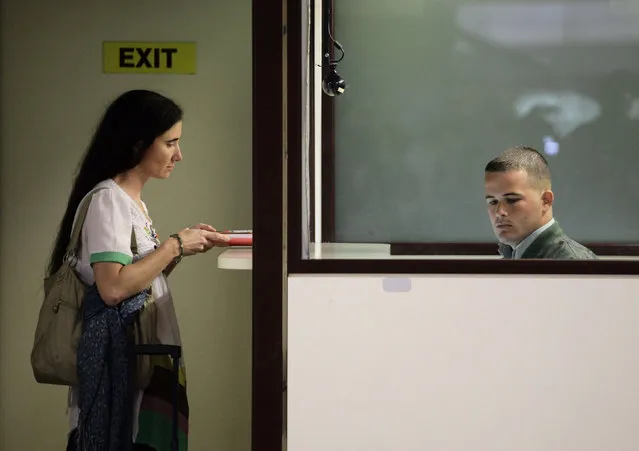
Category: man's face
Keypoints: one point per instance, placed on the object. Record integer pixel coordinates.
(516, 206)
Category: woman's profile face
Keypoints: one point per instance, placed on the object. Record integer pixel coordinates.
(160, 159)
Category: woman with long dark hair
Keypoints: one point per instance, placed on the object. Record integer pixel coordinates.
(137, 139)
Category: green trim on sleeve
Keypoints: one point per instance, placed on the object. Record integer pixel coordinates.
(111, 257)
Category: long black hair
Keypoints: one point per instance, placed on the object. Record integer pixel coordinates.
(127, 129)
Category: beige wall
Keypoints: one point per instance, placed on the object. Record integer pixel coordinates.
(52, 94)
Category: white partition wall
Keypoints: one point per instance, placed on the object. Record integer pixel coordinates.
(461, 363)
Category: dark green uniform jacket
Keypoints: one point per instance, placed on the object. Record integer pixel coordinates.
(553, 244)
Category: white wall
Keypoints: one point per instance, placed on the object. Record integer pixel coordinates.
(52, 94)
(463, 363)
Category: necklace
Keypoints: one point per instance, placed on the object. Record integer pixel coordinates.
(148, 225)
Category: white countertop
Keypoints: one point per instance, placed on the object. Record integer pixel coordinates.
(236, 258)
(242, 257)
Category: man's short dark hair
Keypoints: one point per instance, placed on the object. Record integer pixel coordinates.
(522, 158)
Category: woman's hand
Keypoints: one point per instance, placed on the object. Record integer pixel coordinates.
(194, 241)
(201, 238)
(203, 227)
(216, 238)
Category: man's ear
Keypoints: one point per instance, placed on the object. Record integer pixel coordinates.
(547, 198)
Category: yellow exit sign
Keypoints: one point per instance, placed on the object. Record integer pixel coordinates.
(148, 57)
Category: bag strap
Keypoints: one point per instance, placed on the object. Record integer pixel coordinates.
(134, 242)
(74, 242)
(83, 209)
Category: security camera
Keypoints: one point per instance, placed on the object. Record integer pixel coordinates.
(333, 85)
